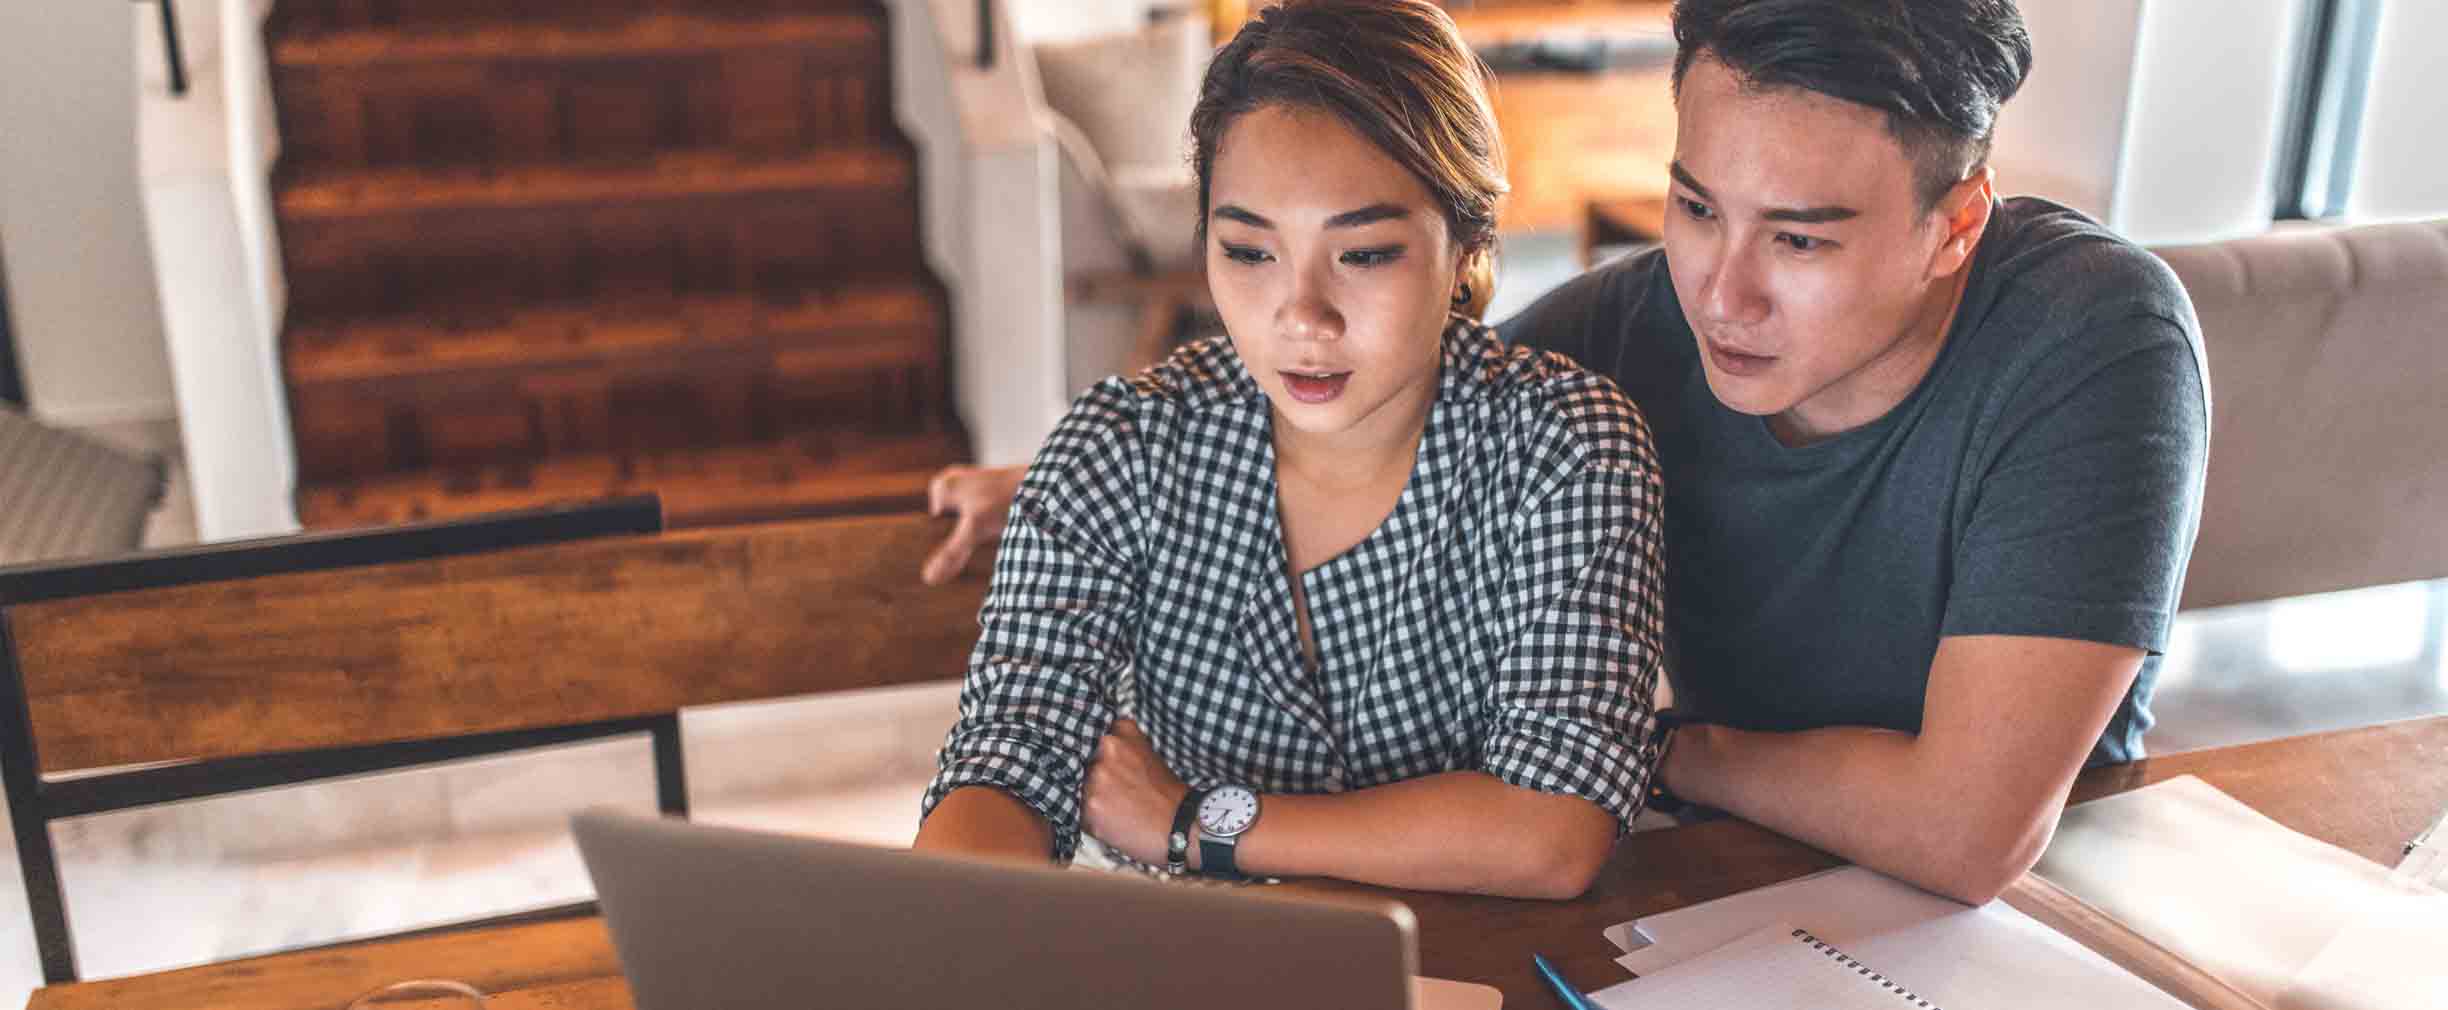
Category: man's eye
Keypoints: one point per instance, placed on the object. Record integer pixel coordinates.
(1244, 254)
(1372, 257)
(1696, 210)
(1802, 243)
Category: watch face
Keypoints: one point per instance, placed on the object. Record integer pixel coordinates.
(1228, 811)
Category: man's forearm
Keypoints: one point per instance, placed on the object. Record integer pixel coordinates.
(1457, 831)
(1871, 796)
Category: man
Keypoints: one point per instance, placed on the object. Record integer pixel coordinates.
(1933, 460)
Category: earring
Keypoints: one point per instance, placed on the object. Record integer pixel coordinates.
(1462, 296)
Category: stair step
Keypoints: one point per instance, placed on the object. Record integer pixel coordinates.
(679, 175)
(648, 35)
(810, 474)
(871, 327)
(398, 393)
(399, 242)
(294, 17)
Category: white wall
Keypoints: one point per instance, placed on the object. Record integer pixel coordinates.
(80, 279)
(2160, 117)
(2062, 134)
(1034, 21)
(2398, 173)
(992, 221)
(2210, 96)
(205, 162)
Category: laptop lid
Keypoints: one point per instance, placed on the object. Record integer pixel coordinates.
(719, 917)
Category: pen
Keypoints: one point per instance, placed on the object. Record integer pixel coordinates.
(1572, 998)
(2425, 838)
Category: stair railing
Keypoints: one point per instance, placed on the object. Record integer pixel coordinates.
(985, 34)
(170, 48)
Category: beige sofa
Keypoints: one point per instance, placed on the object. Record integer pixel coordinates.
(2328, 352)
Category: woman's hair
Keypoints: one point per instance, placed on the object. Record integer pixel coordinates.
(1396, 72)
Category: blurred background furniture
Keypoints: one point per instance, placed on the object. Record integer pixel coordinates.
(2327, 347)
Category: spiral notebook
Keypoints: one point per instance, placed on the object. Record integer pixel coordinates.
(1776, 968)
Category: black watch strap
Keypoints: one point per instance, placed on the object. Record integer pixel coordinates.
(1216, 858)
(1177, 844)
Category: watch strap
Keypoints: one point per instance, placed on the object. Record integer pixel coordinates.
(1185, 821)
(1216, 858)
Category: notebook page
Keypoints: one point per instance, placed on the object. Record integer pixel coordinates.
(1776, 968)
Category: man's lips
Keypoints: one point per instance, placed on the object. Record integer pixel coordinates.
(1737, 361)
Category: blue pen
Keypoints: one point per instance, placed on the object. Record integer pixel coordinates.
(1573, 1000)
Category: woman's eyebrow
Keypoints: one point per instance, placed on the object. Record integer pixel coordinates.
(1370, 214)
(1234, 212)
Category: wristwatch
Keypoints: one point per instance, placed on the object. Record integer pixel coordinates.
(1224, 815)
(1177, 843)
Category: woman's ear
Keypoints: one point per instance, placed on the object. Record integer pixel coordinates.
(1475, 281)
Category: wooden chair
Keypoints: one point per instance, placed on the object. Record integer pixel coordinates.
(232, 668)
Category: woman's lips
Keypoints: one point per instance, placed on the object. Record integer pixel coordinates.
(1313, 387)
(1734, 362)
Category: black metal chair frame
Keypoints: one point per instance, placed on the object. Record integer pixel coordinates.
(34, 803)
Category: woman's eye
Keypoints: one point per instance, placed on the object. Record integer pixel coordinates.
(1801, 243)
(1371, 257)
(1245, 254)
(1696, 210)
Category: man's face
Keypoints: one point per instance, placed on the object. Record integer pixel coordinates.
(1811, 276)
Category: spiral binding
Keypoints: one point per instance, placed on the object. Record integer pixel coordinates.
(1861, 969)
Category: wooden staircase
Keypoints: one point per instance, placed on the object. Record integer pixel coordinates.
(547, 250)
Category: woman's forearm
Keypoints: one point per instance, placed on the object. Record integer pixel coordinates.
(988, 822)
(1457, 831)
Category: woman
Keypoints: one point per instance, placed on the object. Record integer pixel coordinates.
(1356, 591)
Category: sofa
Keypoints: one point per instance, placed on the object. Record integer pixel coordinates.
(2328, 352)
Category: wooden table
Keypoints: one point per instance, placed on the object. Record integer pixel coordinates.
(2365, 790)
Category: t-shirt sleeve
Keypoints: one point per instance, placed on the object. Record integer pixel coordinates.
(2091, 493)
(1573, 695)
(1056, 628)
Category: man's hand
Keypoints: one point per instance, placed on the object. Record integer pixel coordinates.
(1131, 796)
(982, 497)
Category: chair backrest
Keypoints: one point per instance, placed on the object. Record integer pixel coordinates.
(2327, 353)
(497, 642)
(240, 666)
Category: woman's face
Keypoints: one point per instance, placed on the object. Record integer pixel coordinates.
(1333, 271)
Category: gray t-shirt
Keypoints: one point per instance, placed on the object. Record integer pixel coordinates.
(2044, 479)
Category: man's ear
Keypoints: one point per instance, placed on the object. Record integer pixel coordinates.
(1963, 216)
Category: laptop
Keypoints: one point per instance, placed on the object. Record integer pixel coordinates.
(705, 917)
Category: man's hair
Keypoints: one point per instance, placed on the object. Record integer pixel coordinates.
(1939, 69)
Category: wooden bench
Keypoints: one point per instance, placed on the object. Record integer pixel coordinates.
(258, 676)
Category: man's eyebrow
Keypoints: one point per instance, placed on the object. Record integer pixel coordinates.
(1675, 168)
(1234, 212)
(1793, 215)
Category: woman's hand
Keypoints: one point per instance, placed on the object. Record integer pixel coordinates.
(1131, 796)
(981, 496)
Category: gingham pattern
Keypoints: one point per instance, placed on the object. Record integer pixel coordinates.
(1505, 618)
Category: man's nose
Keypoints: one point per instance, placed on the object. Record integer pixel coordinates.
(1734, 292)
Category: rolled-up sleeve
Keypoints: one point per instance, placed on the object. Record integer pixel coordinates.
(1057, 626)
(1573, 696)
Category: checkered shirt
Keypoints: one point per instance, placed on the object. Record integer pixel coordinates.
(1505, 618)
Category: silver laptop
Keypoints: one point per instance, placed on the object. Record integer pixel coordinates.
(706, 917)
